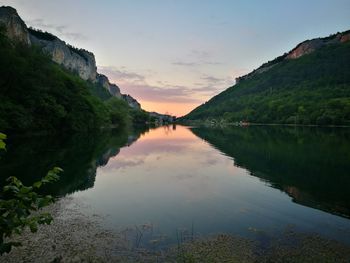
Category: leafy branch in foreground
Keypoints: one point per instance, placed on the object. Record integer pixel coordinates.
(18, 202)
(2, 143)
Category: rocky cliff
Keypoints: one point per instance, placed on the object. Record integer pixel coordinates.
(16, 29)
(78, 61)
(131, 101)
(300, 50)
(309, 46)
(113, 89)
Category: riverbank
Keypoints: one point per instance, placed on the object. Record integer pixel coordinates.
(223, 124)
(76, 237)
(72, 237)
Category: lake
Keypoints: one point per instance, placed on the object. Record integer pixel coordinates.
(254, 182)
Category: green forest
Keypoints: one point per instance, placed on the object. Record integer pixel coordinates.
(37, 95)
(313, 89)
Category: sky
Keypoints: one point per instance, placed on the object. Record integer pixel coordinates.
(173, 55)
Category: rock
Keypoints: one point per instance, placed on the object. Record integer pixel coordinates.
(345, 38)
(309, 46)
(305, 48)
(79, 61)
(16, 29)
(133, 103)
(112, 88)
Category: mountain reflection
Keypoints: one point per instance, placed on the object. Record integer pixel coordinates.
(311, 165)
(78, 155)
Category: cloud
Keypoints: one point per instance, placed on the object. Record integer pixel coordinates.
(192, 64)
(122, 74)
(178, 94)
(197, 58)
(186, 64)
(212, 79)
(62, 30)
(212, 85)
(119, 163)
(136, 84)
(202, 54)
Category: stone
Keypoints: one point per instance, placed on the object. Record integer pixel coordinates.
(16, 29)
(133, 103)
(78, 61)
(112, 88)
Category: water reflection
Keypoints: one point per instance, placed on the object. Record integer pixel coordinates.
(311, 165)
(171, 178)
(214, 180)
(79, 155)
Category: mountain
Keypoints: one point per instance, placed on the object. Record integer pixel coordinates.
(48, 85)
(79, 61)
(308, 85)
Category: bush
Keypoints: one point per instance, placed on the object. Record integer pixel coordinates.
(17, 202)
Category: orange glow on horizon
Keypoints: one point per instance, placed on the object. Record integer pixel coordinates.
(174, 132)
(172, 108)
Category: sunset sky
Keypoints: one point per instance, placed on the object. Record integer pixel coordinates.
(173, 55)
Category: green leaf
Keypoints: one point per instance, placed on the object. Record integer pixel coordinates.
(42, 202)
(37, 184)
(33, 227)
(25, 189)
(2, 136)
(15, 181)
(11, 188)
(16, 212)
(2, 145)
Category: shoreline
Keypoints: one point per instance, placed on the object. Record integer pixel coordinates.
(196, 124)
(77, 237)
(71, 237)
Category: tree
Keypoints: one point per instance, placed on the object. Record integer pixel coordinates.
(17, 204)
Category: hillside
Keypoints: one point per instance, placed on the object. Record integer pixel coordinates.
(48, 85)
(308, 85)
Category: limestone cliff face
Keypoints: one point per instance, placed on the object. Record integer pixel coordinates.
(112, 88)
(309, 46)
(78, 61)
(16, 29)
(133, 103)
(345, 38)
(300, 50)
(305, 48)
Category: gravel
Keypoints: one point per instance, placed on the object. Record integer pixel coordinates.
(76, 237)
(71, 237)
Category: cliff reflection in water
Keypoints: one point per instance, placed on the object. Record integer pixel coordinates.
(79, 155)
(311, 165)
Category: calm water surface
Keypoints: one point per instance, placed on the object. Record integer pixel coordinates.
(246, 181)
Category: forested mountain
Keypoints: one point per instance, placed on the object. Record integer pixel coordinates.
(308, 85)
(47, 85)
